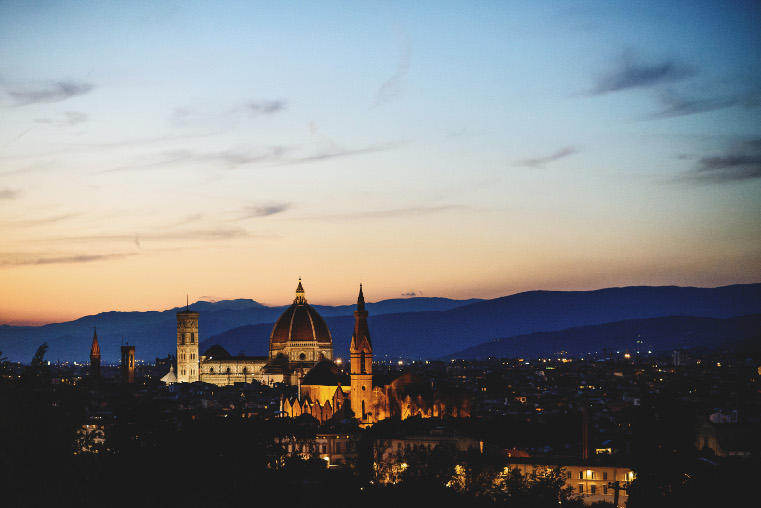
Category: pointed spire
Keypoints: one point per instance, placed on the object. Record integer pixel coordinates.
(95, 348)
(360, 299)
(300, 298)
(187, 302)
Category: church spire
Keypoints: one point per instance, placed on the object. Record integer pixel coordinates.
(95, 356)
(360, 299)
(361, 368)
(300, 298)
(361, 334)
(95, 348)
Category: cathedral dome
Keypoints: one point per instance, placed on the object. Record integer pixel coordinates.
(300, 323)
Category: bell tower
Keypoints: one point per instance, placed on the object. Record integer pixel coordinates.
(128, 364)
(187, 346)
(361, 368)
(95, 357)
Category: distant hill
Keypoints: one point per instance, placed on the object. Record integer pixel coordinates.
(429, 327)
(436, 334)
(154, 333)
(655, 334)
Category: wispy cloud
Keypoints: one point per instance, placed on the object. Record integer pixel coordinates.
(55, 92)
(9, 193)
(630, 74)
(30, 222)
(231, 158)
(393, 86)
(392, 213)
(69, 118)
(225, 118)
(742, 162)
(409, 293)
(22, 260)
(337, 152)
(255, 211)
(539, 162)
(266, 107)
(674, 105)
(141, 239)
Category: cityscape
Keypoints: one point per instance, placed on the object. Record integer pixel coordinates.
(632, 427)
(380, 253)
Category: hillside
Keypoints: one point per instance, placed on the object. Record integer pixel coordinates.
(658, 335)
(430, 328)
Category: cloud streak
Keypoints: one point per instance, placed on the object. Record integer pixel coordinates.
(389, 214)
(55, 92)
(630, 74)
(69, 118)
(140, 239)
(741, 163)
(25, 260)
(674, 105)
(338, 153)
(256, 211)
(393, 86)
(539, 162)
(266, 107)
(9, 194)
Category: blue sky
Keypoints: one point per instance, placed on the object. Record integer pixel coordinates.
(459, 149)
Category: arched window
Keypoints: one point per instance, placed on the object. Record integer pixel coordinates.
(192, 338)
(362, 364)
(211, 370)
(228, 370)
(302, 356)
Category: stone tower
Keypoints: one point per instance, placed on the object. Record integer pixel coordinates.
(361, 369)
(187, 346)
(95, 357)
(128, 364)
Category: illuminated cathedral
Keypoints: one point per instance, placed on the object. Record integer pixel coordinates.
(301, 354)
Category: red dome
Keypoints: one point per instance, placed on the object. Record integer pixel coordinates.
(300, 323)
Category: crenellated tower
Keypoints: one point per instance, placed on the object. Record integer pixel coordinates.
(95, 356)
(187, 346)
(361, 368)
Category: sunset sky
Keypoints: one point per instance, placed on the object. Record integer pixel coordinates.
(150, 150)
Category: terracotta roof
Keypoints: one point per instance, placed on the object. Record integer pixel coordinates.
(300, 323)
(325, 373)
(217, 352)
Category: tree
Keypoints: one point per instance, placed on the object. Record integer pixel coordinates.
(38, 372)
(3, 363)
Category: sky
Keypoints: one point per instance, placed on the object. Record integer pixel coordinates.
(220, 150)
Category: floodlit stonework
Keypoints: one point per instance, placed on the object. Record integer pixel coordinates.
(301, 354)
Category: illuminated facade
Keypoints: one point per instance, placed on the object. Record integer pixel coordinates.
(187, 346)
(299, 340)
(325, 390)
(590, 483)
(301, 354)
